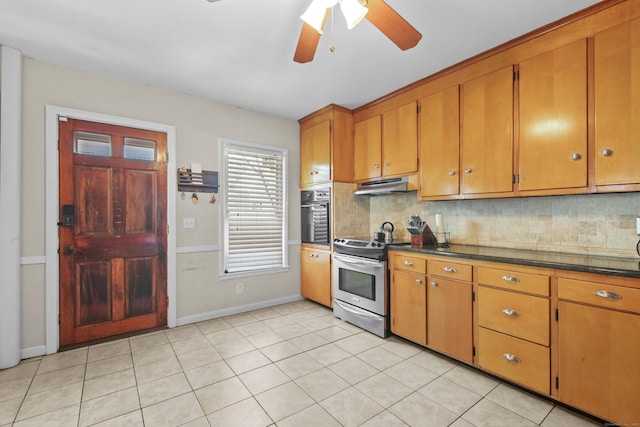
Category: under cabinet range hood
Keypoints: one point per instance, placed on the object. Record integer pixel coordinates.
(382, 186)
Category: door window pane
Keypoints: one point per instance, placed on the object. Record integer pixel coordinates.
(93, 144)
(139, 149)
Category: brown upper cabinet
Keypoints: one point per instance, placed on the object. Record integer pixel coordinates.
(553, 119)
(440, 145)
(387, 145)
(487, 134)
(617, 106)
(326, 146)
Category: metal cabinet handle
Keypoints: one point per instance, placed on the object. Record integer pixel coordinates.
(450, 270)
(607, 152)
(386, 163)
(376, 166)
(510, 312)
(452, 173)
(316, 172)
(607, 294)
(467, 170)
(512, 358)
(310, 173)
(576, 156)
(511, 279)
(434, 285)
(418, 282)
(408, 262)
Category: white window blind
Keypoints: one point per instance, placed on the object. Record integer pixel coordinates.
(255, 229)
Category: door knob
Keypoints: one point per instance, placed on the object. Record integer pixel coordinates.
(70, 250)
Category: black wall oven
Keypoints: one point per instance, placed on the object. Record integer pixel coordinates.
(315, 216)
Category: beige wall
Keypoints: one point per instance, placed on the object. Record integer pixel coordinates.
(199, 123)
(597, 224)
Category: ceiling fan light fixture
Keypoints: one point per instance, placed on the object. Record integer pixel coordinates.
(315, 13)
(353, 11)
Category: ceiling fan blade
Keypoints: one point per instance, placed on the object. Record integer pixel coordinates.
(308, 42)
(392, 25)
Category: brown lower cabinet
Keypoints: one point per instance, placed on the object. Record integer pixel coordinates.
(572, 336)
(315, 267)
(599, 349)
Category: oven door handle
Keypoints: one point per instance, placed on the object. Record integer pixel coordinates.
(357, 260)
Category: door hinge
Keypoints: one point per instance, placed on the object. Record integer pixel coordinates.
(418, 161)
(557, 315)
(516, 75)
(62, 118)
(557, 383)
(473, 351)
(473, 296)
(58, 318)
(167, 156)
(418, 109)
(167, 229)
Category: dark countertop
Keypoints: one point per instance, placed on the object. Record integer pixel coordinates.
(615, 266)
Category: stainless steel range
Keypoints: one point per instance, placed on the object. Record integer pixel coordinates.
(361, 284)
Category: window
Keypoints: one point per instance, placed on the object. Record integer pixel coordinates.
(254, 207)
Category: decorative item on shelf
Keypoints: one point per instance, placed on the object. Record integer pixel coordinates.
(200, 182)
(420, 232)
(442, 237)
(194, 199)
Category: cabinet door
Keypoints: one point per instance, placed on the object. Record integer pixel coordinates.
(315, 154)
(409, 306)
(439, 144)
(617, 104)
(449, 318)
(315, 269)
(487, 133)
(368, 148)
(598, 361)
(400, 140)
(553, 119)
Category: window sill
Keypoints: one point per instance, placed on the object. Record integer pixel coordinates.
(252, 273)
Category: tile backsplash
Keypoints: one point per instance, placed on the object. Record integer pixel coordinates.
(595, 224)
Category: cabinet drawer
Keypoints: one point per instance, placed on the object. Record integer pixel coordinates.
(513, 280)
(599, 294)
(450, 270)
(409, 263)
(515, 359)
(523, 316)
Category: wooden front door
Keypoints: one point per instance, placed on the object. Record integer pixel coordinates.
(113, 239)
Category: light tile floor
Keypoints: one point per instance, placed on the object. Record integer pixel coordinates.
(289, 365)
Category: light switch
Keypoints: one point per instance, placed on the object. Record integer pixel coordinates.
(189, 222)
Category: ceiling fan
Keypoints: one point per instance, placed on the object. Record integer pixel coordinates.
(379, 13)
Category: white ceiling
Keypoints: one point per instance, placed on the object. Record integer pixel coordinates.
(240, 52)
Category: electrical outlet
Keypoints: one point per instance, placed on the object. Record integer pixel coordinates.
(189, 222)
(240, 288)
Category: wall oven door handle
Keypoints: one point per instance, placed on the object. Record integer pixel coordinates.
(358, 260)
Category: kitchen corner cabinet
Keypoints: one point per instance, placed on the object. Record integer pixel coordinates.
(387, 145)
(617, 106)
(439, 145)
(326, 146)
(316, 275)
(449, 309)
(487, 134)
(598, 347)
(553, 119)
(408, 297)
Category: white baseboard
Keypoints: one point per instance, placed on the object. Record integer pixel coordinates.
(39, 350)
(235, 310)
